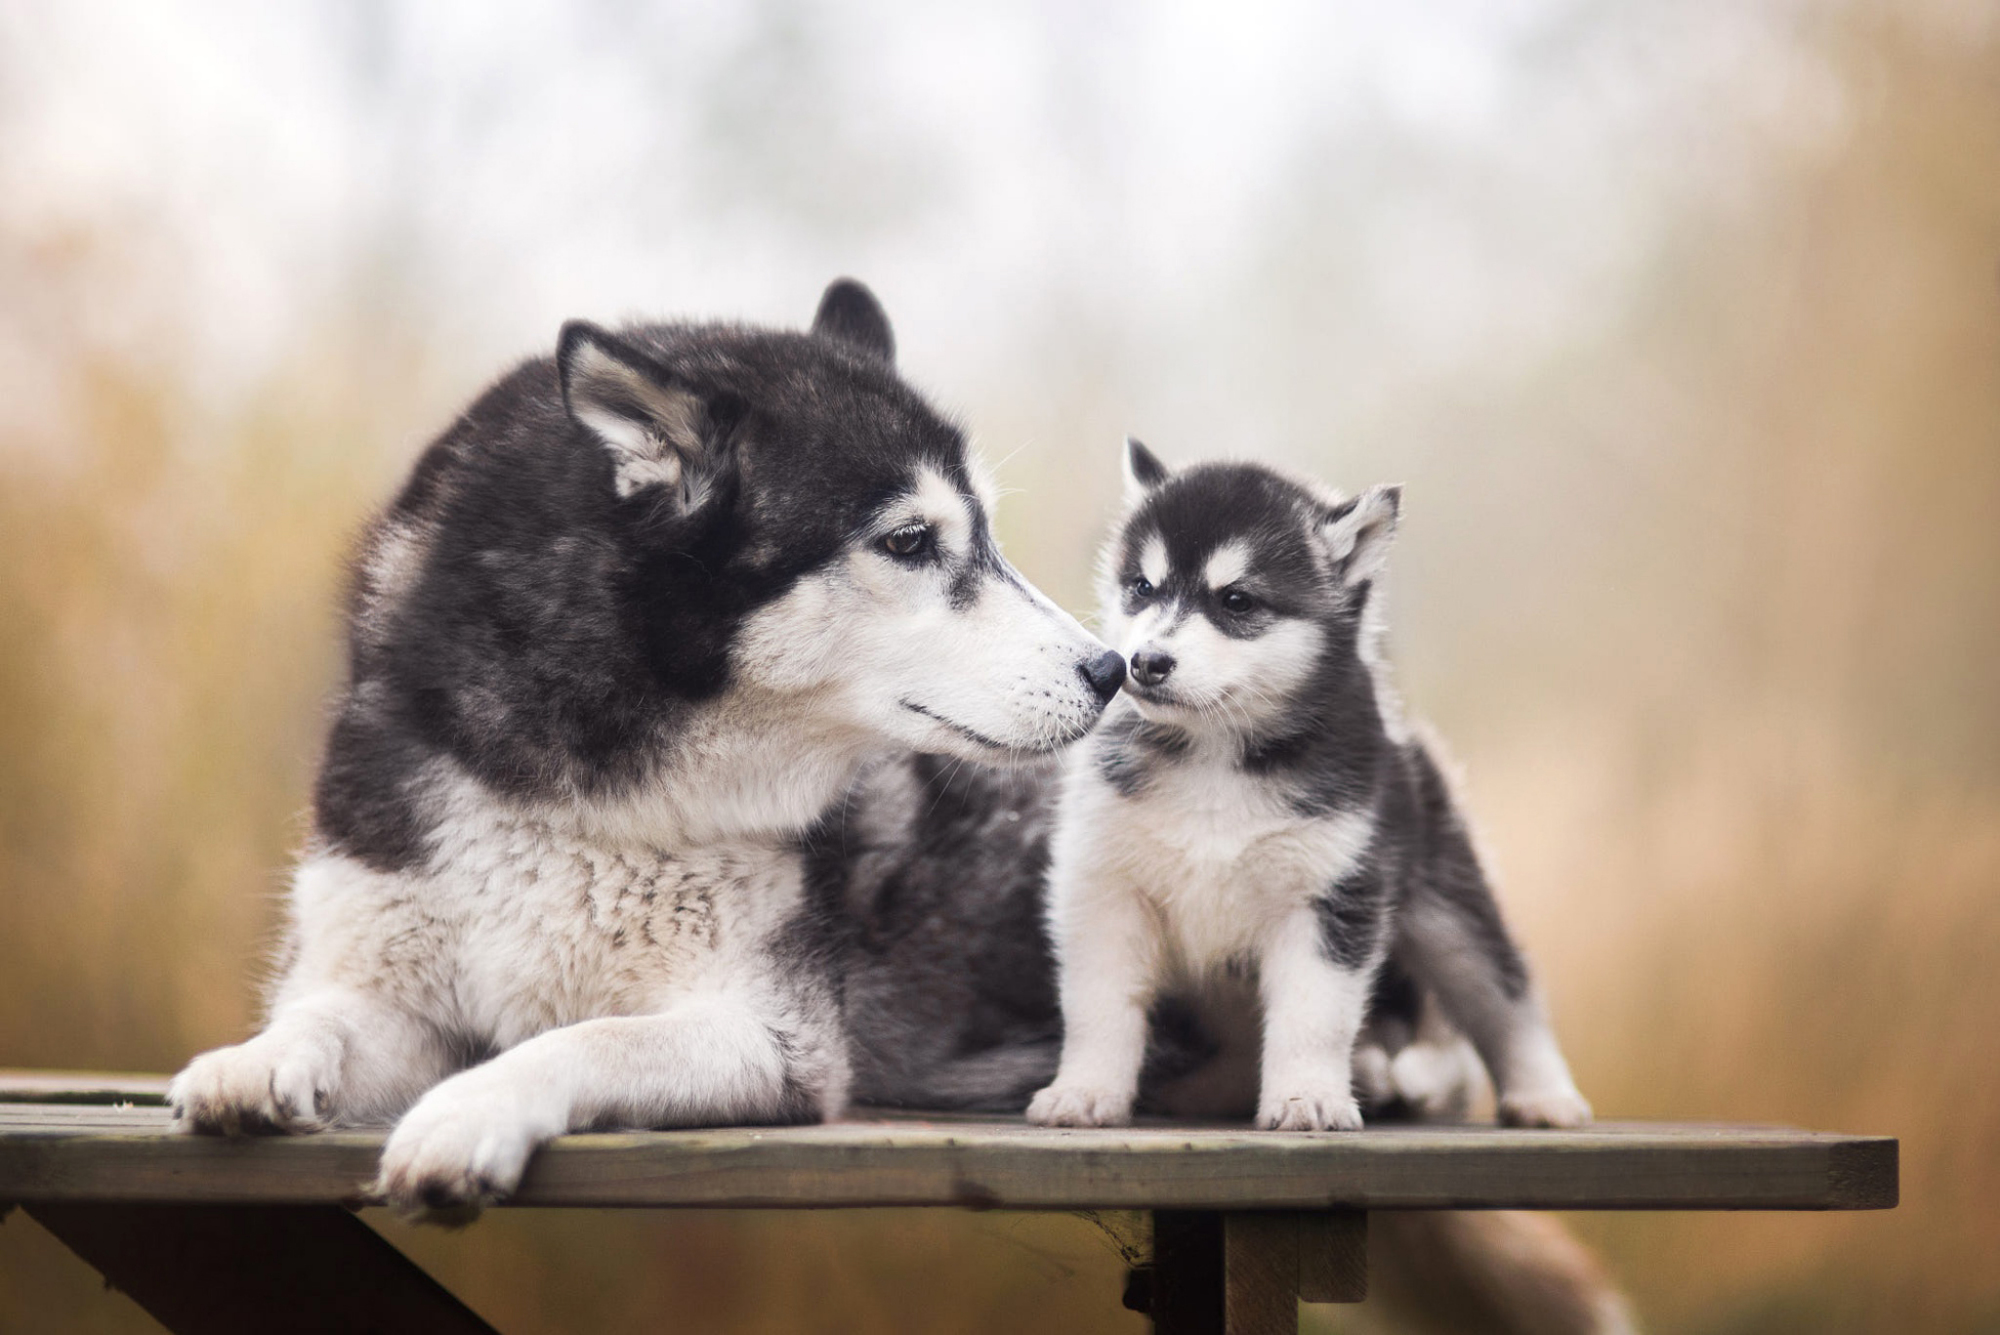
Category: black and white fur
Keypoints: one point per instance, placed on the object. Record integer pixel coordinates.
(631, 628)
(1255, 829)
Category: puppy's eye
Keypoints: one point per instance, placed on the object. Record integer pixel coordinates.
(1142, 587)
(911, 542)
(1237, 601)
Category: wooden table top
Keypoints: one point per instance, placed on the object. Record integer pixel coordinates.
(98, 1146)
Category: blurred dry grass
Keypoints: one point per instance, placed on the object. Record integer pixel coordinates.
(1736, 747)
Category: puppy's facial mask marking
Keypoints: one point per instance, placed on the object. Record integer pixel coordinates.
(1227, 564)
(1213, 643)
(1227, 580)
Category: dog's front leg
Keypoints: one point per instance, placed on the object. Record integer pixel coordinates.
(712, 1061)
(331, 1056)
(1106, 951)
(1314, 1003)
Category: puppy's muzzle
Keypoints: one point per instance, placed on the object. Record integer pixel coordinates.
(1150, 667)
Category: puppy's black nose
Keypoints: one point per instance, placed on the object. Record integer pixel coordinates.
(1150, 667)
(1105, 673)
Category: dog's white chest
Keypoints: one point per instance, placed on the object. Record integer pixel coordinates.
(522, 926)
(570, 930)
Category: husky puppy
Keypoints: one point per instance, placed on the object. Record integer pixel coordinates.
(635, 621)
(1254, 827)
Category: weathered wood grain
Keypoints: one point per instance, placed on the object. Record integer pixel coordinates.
(81, 1087)
(86, 1153)
(1333, 1256)
(1260, 1273)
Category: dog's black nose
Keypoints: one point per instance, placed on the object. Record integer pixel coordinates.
(1150, 667)
(1105, 673)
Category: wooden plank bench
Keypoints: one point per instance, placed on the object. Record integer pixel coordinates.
(217, 1235)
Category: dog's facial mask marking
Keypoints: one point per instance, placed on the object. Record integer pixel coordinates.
(896, 617)
(922, 631)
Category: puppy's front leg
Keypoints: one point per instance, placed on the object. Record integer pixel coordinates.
(713, 1061)
(1107, 952)
(1314, 1003)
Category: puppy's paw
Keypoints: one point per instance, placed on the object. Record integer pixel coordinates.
(454, 1153)
(1561, 1109)
(1374, 1076)
(1080, 1105)
(260, 1086)
(1438, 1080)
(1329, 1109)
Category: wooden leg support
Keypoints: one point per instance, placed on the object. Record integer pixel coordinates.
(1244, 1273)
(1333, 1256)
(238, 1269)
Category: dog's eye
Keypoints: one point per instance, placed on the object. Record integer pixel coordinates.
(1142, 587)
(910, 542)
(1237, 601)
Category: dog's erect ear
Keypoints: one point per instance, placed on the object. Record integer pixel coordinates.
(659, 432)
(1143, 471)
(1357, 533)
(850, 314)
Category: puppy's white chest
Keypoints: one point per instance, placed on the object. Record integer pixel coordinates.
(1199, 832)
(1223, 859)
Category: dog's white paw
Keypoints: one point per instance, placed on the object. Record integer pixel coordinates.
(1080, 1105)
(1374, 1075)
(1438, 1080)
(458, 1150)
(1330, 1109)
(260, 1086)
(1562, 1109)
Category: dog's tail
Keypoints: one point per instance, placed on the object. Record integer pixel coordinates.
(1507, 1272)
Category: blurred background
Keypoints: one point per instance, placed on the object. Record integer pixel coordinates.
(1680, 320)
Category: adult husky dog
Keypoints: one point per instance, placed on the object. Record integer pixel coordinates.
(625, 635)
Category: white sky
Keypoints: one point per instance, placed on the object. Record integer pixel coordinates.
(1476, 178)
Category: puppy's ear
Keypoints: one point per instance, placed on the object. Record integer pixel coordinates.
(1356, 533)
(1143, 471)
(659, 431)
(850, 314)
